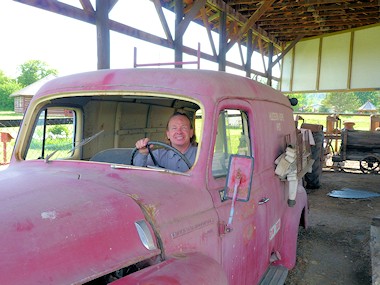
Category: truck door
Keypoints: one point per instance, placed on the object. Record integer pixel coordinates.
(244, 242)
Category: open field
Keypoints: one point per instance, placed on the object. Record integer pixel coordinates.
(10, 115)
(362, 122)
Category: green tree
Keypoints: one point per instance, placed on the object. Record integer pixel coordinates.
(7, 87)
(32, 71)
(302, 102)
(3, 77)
(341, 102)
(373, 96)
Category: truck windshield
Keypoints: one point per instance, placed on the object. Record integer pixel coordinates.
(53, 132)
(104, 128)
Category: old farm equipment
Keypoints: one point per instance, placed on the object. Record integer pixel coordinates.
(362, 146)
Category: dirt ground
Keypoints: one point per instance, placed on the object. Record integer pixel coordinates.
(335, 248)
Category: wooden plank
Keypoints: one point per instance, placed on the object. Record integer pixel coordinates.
(363, 140)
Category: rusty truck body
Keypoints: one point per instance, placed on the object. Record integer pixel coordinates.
(75, 210)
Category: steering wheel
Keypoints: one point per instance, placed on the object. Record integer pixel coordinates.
(164, 145)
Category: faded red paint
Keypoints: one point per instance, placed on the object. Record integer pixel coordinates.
(68, 222)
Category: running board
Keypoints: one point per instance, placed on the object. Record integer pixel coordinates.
(275, 275)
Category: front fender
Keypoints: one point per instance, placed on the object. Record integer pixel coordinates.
(189, 268)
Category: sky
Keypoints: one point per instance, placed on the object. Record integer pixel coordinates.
(69, 45)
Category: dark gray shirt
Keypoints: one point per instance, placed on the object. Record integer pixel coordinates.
(167, 159)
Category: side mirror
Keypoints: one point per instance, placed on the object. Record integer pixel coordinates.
(293, 101)
(239, 179)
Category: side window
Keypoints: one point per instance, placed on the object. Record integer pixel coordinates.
(232, 138)
(53, 134)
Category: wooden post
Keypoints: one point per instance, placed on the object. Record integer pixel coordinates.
(103, 34)
(4, 138)
(4, 152)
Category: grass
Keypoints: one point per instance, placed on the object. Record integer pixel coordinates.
(362, 122)
(10, 115)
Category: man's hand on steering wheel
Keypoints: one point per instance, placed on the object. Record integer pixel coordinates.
(144, 147)
(141, 146)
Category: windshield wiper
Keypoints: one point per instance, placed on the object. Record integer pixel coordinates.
(82, 143)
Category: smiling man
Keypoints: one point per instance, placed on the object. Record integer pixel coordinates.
(180, 133)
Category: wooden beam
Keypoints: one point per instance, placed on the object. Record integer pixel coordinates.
(256, 16)
(222, 41)
(208, 29)
(178, 43)
(164, 23)
(288, 48)
(270, 64)
(248, 63)
(87, 6)
(262, 54)
(241, 54)
(195, 8)
(252, 20)
(61, 9)
(103, 34)
(236, 16)
(85, 15)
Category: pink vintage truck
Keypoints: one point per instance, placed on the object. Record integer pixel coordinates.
(74, 210)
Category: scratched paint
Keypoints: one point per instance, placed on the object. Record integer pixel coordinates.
(274, 229)
(191, 228)
(49, 215)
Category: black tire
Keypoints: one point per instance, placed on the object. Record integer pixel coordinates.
(313, 179)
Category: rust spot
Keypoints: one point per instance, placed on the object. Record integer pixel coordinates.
(248, 233)
(179, 255)
(248, 210)
(150, 210)
(134, 197)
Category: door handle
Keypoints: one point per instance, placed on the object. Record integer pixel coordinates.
(263, 201)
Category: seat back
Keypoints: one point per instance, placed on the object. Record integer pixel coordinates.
(114, 155)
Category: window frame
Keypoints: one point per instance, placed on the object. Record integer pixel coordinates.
(75, 137)
(224, 145)
(218, 183)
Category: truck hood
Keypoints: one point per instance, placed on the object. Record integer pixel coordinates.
(60, 228)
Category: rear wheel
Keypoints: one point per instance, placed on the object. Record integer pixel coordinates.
(370, 164)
